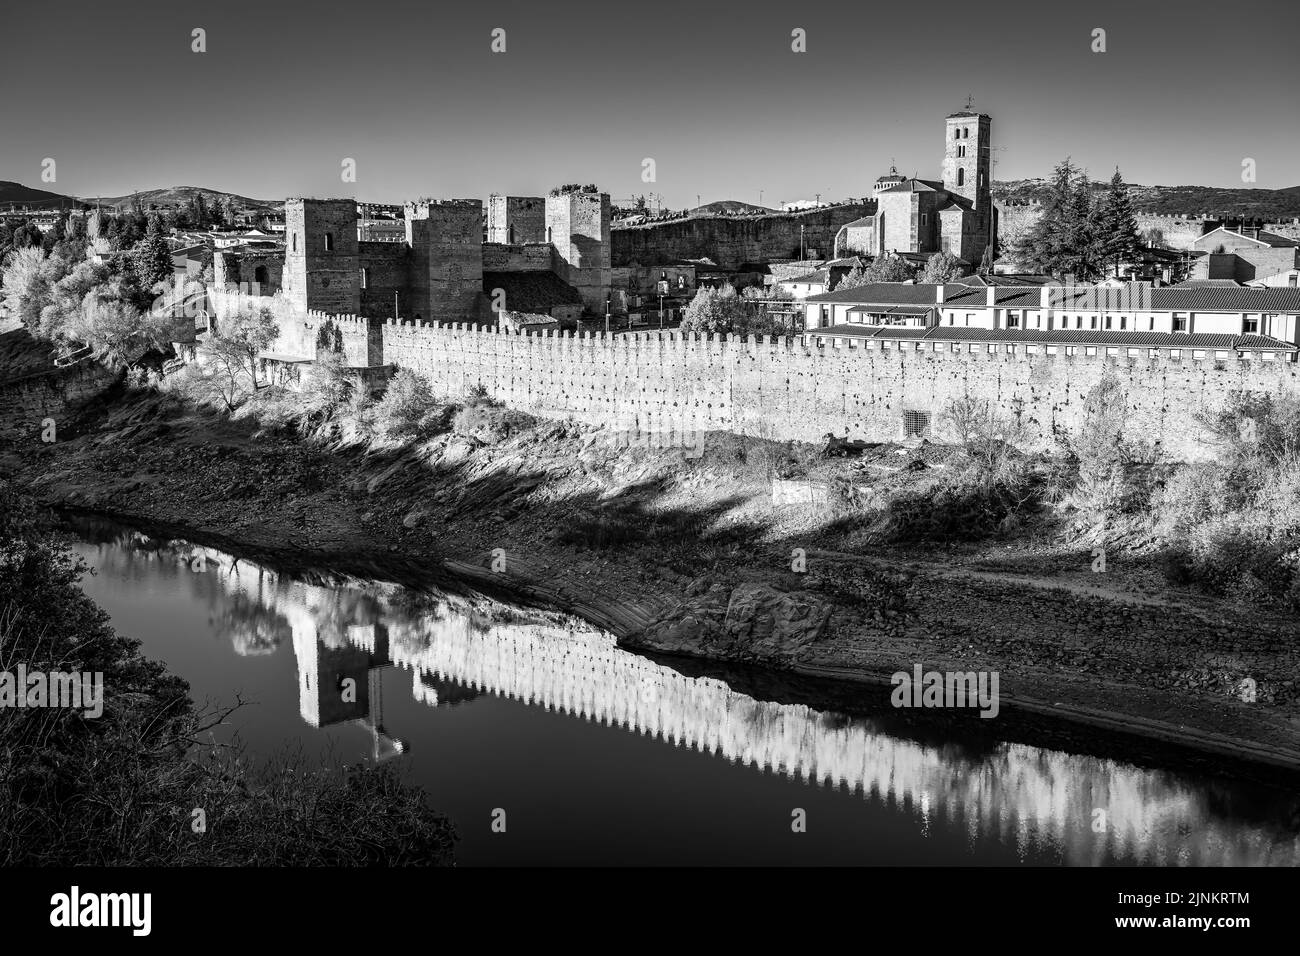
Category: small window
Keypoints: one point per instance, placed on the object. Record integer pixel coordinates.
(925, 218)
(293, 243)
(1180, 321)
(1250, 325)
(973, 348)
(1220, 354)
(916, 424)
(1092, 321)
(1011, 350)
(1031, 349)
(1175, 353)
(1106, 323)
(992, 348)
(1051, 350)
(1123, 321)
(1090, 350)
(961, 174)
(1198, 354)
(1291, 281)
(681, 282)
(1071, 349)
(329, 242)
(1013, 319)
(1112, 350)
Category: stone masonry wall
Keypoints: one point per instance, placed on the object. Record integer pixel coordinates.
(730, 241)
(783, 389)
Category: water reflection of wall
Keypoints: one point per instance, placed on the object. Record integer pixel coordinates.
(1020, 795)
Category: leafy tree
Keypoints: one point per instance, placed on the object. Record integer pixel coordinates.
(940, 267)
(1118, 227)
(233, 349)
(886, 268)
(1154, 237)
(723, 311)
(29, 278)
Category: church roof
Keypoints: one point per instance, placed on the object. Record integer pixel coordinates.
(915, 186)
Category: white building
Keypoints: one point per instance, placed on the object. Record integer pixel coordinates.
(1135, 320)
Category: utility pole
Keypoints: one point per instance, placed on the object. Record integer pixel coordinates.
(661, 311)
(801, 242)
(396, 314)
(607, 315)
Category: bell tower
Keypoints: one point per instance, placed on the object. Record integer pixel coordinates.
(967, 161)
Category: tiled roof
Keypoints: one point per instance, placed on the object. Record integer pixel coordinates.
(1165, 298)
(1207, 284)
(1273, 239)
(819, 277)
(864, 221)
(531, 291)
(881, 293)
(1227, 300)
(942, 333)
(914, 186)
(892, 309)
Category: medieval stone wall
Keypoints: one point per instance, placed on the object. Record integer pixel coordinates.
(785, 389)
(730, 241)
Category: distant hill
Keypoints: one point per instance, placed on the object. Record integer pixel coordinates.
(1269, 204)
(728, 207)
(172, 196)
(20, 195)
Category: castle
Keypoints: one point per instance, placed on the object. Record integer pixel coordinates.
(554, 257)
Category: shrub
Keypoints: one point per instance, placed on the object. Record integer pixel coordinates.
(407, 409)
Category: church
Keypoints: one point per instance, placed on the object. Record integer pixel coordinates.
(916, 218)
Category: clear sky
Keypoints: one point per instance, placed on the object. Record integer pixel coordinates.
(585, 91)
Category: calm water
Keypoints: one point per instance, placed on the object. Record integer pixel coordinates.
(602, 756)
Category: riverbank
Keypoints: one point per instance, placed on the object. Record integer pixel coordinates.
(692, 555)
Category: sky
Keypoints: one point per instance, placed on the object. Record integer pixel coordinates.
(586, 91)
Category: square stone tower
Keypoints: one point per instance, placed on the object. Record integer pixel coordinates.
(516, 219)
(446, 265)
(967, 162)
(321, 269)
(577, 224)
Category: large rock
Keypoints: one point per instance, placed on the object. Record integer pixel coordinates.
(768, 622)
(750, 620)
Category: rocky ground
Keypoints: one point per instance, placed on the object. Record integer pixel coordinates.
(694, 555)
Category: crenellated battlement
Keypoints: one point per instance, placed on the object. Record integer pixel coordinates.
(797, 387)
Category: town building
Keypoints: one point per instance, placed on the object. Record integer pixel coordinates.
(1244, 254)
(1191, 322)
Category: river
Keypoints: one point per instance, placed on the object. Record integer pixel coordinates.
(594, 755)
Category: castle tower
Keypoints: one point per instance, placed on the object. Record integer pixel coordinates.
(446, 266)
(967, 160)
(320, 259)
(516, 219)
(577, 224)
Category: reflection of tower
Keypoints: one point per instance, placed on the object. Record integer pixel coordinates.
(344, 684)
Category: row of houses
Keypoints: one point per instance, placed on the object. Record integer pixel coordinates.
(1039, 314)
